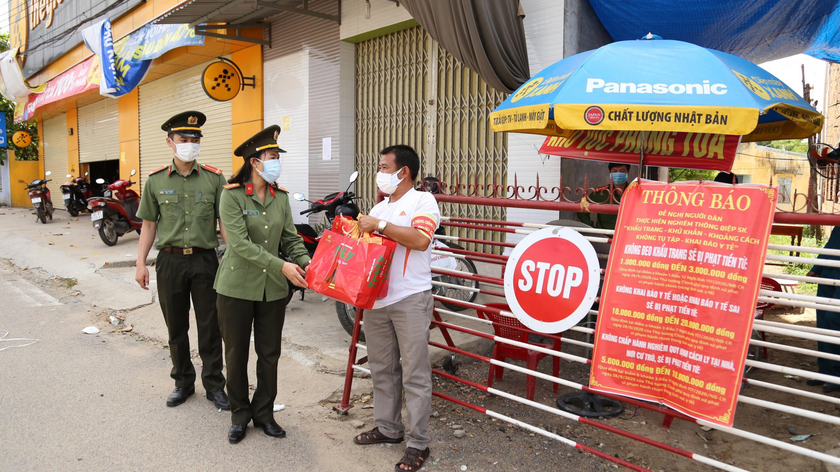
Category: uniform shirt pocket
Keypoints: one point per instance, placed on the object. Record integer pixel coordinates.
(169, 208)
(232, 273)
(204, 206)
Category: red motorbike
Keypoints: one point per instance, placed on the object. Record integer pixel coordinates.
(40, 197)
(115, 213)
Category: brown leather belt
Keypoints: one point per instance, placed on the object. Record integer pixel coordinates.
(186, 250)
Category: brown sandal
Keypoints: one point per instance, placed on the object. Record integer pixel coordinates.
(413, 459)
(375, 436)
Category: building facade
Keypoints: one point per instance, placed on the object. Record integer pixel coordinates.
(342, 78)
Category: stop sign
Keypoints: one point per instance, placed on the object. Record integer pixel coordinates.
(551, 279)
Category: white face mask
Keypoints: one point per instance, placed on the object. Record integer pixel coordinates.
(388, 183)
(187, 152)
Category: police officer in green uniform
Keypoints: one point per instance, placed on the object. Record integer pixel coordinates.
(251, 280)
(180, 204)
(618, 180)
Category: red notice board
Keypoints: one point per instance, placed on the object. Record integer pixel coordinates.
(679, 294)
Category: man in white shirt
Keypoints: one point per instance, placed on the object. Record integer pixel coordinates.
(398, 325)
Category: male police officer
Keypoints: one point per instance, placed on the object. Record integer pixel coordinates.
(606, 195)
(181, 204)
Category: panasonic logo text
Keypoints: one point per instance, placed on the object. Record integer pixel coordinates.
(678, 89)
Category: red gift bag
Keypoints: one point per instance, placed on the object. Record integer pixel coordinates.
(350, 270)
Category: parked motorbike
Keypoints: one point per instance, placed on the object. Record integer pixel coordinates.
(76, 193)
(40, 197)
(115, 213)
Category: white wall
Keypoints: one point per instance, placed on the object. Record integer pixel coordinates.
(315, 82)
(544, 22)
(287, 95)
(347, 110)
(382, 13)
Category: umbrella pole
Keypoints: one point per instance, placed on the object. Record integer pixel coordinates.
(642, 172)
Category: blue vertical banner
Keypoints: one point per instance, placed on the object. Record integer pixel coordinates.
(126, 61)
(3, 137)
(99, 39)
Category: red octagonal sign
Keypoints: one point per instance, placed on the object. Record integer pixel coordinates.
(551, 279)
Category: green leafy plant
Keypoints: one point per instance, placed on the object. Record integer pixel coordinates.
(797, 268)
(677, 174)
(793, 145)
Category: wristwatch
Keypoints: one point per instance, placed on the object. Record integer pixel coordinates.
(381, 226)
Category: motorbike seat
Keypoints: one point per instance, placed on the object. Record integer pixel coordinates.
(307, 230)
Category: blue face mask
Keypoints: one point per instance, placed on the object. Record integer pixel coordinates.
(271, 170)
(619, 178)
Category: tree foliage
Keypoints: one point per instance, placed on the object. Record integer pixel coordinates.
(793, 145)
(677, 174)
(29, 153)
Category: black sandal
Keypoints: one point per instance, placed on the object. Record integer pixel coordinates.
(414, 459)
(375, 436)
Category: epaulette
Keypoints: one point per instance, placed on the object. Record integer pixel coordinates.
(603, 189)
(157, 170)
(211, 169)
(230, 186)
(282, 190)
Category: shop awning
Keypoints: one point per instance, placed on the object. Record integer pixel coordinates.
(237, 14)
(759, 31)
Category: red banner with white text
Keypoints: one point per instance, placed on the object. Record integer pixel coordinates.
(665, 149)
(679, 294)
(79, 78)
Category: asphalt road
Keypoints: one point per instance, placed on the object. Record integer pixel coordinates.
(73, 401)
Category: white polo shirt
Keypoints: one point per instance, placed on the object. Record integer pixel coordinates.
(411, 271)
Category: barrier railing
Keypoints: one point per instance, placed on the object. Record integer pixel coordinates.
(471, 315)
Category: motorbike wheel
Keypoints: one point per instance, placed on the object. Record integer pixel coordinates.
(41, 216)
(108, 233)
(347, 316)
(458, 294)
(73, 212)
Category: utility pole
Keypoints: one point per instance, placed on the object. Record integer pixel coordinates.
(813, 198)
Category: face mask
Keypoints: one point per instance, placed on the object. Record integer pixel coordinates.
(388, 183)
(271, 170)
(187, 152)
(619, 178)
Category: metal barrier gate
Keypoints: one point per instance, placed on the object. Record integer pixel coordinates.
(355, 364)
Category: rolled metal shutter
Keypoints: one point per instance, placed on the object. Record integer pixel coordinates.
(173, 94)
(55, 154)
(99, 131)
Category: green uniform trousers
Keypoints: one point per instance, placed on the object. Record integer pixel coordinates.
(236, 316)
(180, 277)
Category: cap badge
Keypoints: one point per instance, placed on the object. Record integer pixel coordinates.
(193, 120)
(276, 134)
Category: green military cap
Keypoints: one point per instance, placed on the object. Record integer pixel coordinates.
(186, 124)
(265, 139)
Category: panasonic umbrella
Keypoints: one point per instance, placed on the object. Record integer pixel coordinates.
(651, 85)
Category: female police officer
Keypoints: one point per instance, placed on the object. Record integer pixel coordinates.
(251, 281)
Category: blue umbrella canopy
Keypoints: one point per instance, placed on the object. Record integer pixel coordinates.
(658, 85)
